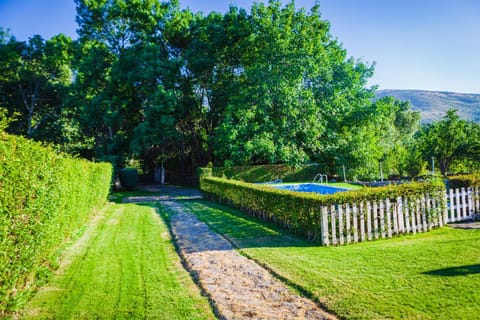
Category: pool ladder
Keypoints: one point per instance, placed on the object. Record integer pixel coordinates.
(319, 178)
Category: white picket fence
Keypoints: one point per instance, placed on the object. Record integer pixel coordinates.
(370, 220)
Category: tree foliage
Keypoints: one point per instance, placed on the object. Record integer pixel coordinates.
(150, 81)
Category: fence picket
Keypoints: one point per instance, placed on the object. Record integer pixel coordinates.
(333, 217)
(407, 215)
(355, 222)
(464, 205)
(395, 216)
(382, 218)
(340, 224)
(347, 223)
(413, 211)
(470, 202)
(457, 205)
(452, 206)
(324, 226)
(389, 220)
(361, 212)
(445, 209)
(375, 219)
(401, 224)
(423, 202)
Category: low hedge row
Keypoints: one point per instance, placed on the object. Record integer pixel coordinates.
(463, 181)
(44, 197)
(297, 210)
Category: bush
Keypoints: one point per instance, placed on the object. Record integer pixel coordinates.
(44, 197)
(128, 178)
(464, 181)
(301, 211)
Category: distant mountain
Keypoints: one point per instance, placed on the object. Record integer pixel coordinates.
(434, 104)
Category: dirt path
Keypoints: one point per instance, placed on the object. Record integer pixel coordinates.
(238, 287)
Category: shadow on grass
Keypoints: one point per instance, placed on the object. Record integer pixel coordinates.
(243, 230)
(455, 271)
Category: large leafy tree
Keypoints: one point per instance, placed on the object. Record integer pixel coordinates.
(126, 46)
(292, 74)
(34, 83)
(450, 139)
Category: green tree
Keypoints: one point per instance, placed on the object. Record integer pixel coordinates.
(448, 140)
(36, 77)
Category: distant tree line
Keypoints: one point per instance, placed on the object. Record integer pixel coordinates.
(155, 84)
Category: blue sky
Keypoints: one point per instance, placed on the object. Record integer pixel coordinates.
(416, 44)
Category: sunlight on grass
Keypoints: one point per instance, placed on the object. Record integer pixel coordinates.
(433, 275)
(126, 269)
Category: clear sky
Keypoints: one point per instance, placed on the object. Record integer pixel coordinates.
(416, 44)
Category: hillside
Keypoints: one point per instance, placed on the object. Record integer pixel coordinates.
(434, 104)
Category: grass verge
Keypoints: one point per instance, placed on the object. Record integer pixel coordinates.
(124, 267)
(431, 275)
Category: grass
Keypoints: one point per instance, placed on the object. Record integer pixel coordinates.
(118, 196)
(123, 267)
(433, 275)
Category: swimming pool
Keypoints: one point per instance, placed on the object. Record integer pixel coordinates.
(309, 187)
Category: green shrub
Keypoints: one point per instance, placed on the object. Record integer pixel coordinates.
(128, 178)
(44, 197)
(298, 210)
(463, 181)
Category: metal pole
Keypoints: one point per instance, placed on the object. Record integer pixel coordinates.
(344, 175)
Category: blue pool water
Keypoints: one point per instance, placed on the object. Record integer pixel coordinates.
(309, 187)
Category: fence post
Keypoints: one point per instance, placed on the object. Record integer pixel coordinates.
(464, 204)
(369, 220)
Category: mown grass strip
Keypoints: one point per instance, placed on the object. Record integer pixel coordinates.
(126, 269)
(427, 276)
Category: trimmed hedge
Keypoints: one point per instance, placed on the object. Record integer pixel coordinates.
(264, 173)
(44, 197)
(463, 181)
(300, 211)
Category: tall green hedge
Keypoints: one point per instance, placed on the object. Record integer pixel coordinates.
(299, 210)
(44, 197)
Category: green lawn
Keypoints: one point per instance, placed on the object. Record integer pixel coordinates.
(433, 275)
(124, 267)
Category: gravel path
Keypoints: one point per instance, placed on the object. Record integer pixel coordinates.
(238, 287)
